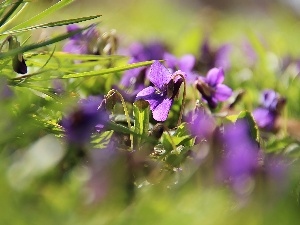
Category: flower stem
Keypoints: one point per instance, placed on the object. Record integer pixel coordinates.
(113, 91)
(183, 98)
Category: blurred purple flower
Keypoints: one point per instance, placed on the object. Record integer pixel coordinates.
(210, 57)
(87, 118)
(58, 86)
(276, 167)
(240, 161)
(161, 96)
(106, 178)
(5, 91)
(82, 43)
(139, 53)
(270, 106)
(185, 64)
(250, 53)
(212, 89)
(201, 124)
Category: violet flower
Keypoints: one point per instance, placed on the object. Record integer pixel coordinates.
(240, 161)
(268, 111)
(185, 64)
(87, 118)
(161, 96)
(139, 53)
(82, 43)
(210, 57)
(212, 89)
(201, 124)
(5, 91)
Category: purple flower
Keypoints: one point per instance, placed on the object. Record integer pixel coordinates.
(82, 43)
(210, 57)
(139, 53)
(185, 64)
(270, 106)
(5, 91)
(87, 118)
(166, 87)
(58, 86)
(240, 161)
(250, 53)
(212, 89)
(201, 124)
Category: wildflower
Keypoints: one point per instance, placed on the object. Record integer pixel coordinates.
(210, 57)
(249, 52)
(87, 118)
(161, 96)
(240, 162)
(201, 124)
(185, 64)
(268, 111)
(5, 91)
(212, 89)
(139, 53)
(18, 62)
(82, 43)
(58, 86)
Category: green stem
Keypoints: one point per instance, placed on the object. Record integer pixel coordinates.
(123, 104)
(183, 98)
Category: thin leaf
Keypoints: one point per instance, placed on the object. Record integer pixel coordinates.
(48, 60)
(44, 13)
(41, 44)
(70, 56)
(16, 15)
(106, 71)
(46, 91)
(10, 12)
(52, 24)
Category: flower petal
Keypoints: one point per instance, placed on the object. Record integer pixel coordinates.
(215, 76)
(186, 63)
(72, 28)
(75, 47)
(222, 92)
(159, 75)
(161, 111)
(130, 76)
(222, 57)
(171, 60)
(264, 118)
(149, 94)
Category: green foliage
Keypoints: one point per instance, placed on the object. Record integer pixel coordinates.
(141, 121)
(165, 176)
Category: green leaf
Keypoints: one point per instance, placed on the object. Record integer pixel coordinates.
(141, 120)
(180, 137)
(41, 44)
(101, 141)
(51, 24)
(106, 71)
(41, 91)
(44, 13)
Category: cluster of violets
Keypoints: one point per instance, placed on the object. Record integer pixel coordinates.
(239, 158)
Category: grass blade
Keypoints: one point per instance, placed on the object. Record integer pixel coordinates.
(10, 12)
(44, 13)
(41, 44)
(106, 71)
(52, 24)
